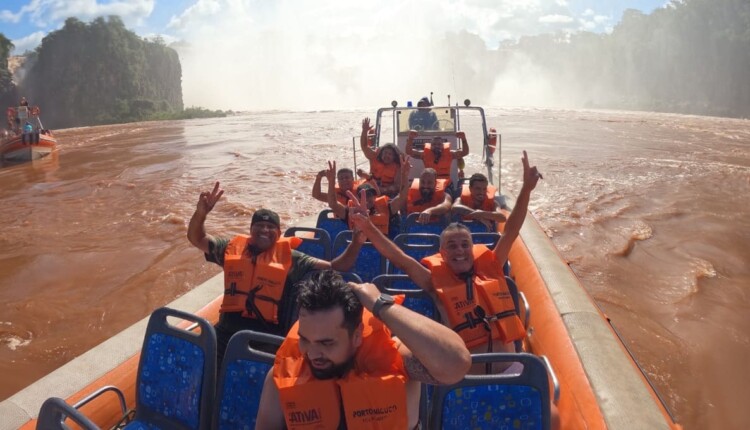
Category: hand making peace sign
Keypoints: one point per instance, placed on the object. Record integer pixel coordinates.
(208, 199)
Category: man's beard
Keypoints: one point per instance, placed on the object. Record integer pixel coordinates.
(334, 372)
(426, 194)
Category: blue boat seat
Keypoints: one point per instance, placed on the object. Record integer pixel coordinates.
(176, 374)
(519, 300)
(487, 238)
(415, 299)
(351, 277)
(241, 379)
(318, 245)
(328, 222)
(514, 401)
(410, 225)
(369, 262)
(476, 226)
(490, 239)
(416, 246)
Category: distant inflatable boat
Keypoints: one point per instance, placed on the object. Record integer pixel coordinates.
(25, 139)
(590, 375)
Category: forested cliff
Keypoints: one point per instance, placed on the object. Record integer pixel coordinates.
(100, 73)
(6, 85)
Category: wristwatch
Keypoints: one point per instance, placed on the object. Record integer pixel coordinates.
(382, 301)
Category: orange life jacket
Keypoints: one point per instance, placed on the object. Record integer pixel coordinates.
(341, 196)
(380, 218)
(385, 174)
(488, 204)
(490, 292)
(443, 167)
(373, 393)
(414, 195)
(254, 285)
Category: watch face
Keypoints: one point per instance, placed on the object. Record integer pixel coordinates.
(383, 300)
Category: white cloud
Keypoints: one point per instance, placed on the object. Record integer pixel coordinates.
(202, 9)
(8, 16)
(28, 43)
(588, 12)
(555, 19)
(44, 13)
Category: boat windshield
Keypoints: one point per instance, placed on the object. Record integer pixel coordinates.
(435, 119)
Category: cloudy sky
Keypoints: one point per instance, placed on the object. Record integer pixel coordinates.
(245, 54)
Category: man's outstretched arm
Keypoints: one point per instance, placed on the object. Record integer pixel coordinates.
(432, 352)
(196, 230)
(517, 216)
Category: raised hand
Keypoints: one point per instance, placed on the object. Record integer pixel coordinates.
(461, 135)
(424, 217)
(366, 125)
(405, 167)
(367, 293)
(413, 134)
(331, 172)
(359, 204)
(530, 174)
(208, 199)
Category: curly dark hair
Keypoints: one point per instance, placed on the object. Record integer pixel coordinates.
(396, 153)
(326, 289)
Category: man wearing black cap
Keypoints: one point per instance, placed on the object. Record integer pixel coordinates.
(260, 270)
(423, 118)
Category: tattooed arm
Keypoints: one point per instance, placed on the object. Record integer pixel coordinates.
(432, 352)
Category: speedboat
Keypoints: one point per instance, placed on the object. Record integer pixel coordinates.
(26, 138)
(594, 381)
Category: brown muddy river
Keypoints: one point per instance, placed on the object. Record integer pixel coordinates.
(651, 210)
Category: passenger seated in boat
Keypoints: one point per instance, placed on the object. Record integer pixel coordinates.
(477, 202)
(344, 180)
(428, 197)
(423, 118)
(259, 270)
(382, 210)
(466, 280)
(26, 137)
(438, 155)
(385, 163)
(369, 362)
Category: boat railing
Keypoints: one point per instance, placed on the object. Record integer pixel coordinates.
(553, 378)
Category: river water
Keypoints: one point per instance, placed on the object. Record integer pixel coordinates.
(650, 210)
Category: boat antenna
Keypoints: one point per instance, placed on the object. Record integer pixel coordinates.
(449, 99)
(431, 103)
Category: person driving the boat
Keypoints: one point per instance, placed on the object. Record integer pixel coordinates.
(423, 118)
(355, 359)
(477, 202)
(466, 280)
(22, 112)
(382, 209)
(385, 163)
(344, 180)
(259, 270)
